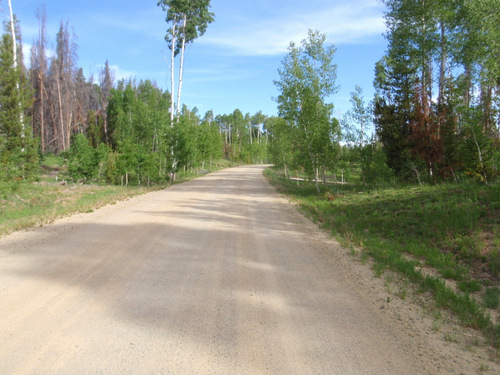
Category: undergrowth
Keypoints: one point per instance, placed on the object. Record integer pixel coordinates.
(433, 235)
(24, 204)
(27, 204)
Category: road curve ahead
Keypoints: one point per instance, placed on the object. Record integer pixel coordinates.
(219, 275)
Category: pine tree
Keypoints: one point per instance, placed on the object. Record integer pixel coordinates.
(451, 47)
(18, 148)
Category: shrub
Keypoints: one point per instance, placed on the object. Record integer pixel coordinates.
(84, 160)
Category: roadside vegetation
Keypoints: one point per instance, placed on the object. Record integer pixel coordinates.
(55, 194)
(70, 143)
(409, 179)
(444, 238)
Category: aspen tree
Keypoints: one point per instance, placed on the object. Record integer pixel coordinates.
(188, 20)
(307, 80)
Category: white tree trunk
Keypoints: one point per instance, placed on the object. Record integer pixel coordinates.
(61, 119)
(480, 155)
(14, 63)
(172, 94)
(172, 80)
(181, 65)
(250, 131)
(317, 179)
(42, 118)
(13, 32)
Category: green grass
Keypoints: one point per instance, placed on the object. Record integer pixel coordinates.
(27, 204)
(450, 229)
(24, 204)
(491, 297)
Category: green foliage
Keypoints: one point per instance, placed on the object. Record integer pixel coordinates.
(18, 148)
(477, 148)
(95, 129)
(368, 155)
(196, 15)
(26, 204)
(436, 105)
(392, 121)
(145, 147)
(195, 144)
(138, 130)
(110, 167)
(127, 165)
(244, 138)
(84, 161)
(406, 228)
(491, 298)
(469, 286)
(357, 122)
(141, 147)
(307, 79)
(483, 18)
(374, 166)
(280, 141)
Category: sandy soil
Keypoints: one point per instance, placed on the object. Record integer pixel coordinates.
(216, 276)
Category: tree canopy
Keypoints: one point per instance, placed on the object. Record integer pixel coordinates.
(307, 80)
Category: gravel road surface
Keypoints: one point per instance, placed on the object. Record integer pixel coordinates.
(219, 275)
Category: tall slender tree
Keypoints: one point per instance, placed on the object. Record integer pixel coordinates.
(38, 72)
(280, 150)
(188, 20)
(356, 126)
(307, 80)
(451, 46)
(106, 82)
(18, 149)
(15, 63)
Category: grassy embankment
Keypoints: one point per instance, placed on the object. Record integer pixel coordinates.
(444, 240)
(28, 204)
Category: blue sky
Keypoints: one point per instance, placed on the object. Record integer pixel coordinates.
(234, 64)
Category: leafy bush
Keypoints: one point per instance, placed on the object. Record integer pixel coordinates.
(84, 160)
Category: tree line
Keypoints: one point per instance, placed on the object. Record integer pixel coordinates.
(436, 108)
(435, 115)
(115, 132)
(437, 101)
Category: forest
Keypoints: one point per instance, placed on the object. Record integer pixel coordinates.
(436, 105)
(125, 132)
(435, 112)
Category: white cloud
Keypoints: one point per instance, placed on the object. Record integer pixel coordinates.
(120, 73)
(348, 23)
(27, 54)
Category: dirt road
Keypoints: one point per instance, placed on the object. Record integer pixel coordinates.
(216, 276)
